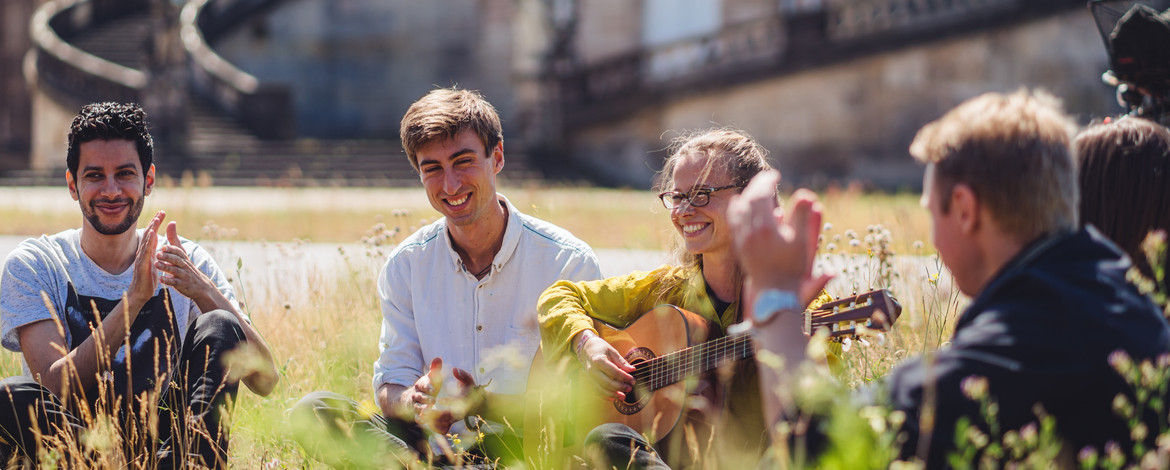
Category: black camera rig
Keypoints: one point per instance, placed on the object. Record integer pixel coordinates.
(1137, 39)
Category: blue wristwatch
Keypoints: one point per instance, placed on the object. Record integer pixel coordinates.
(771, 302)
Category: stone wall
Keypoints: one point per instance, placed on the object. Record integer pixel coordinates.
(356, 65)
(855, 120)
(15, 104)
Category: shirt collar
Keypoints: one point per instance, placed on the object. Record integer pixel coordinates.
(696, 295)
(511, 238)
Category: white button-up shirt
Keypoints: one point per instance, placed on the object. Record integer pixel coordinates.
(432, 307)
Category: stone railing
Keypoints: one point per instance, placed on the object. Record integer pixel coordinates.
(628, 80)
(264, 108)
(791, 40)
(78, 74)
(853, 18)
(759, 41)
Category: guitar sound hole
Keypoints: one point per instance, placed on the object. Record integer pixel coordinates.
(639, 397)
(634, 396)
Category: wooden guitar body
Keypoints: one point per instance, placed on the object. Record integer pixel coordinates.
(671, 348)
(654, 406)
(562, 408)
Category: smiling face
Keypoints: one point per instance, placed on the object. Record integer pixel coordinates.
(460, 177)
(704, 229)
(110, 185)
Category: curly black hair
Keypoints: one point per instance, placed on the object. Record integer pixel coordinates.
(110, 121)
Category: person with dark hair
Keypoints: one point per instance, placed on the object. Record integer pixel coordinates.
(1124, 170)
(1051, 311)
(458, 302)
(131, 324)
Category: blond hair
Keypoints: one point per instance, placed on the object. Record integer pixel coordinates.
(1014, 152)
(442, 114)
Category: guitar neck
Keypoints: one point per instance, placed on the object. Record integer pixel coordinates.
(668, 369)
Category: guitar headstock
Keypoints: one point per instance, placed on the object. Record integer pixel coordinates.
(876, 310)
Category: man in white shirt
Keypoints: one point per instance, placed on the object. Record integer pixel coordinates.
(458, 300)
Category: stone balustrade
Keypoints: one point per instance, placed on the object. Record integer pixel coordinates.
(266, 109)
(72, 72)
(791, 40)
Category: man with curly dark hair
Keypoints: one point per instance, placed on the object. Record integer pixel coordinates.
(118, 322)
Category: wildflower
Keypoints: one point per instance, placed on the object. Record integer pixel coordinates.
(976, 437)
(851, 234)
(854, 242)
(1122, 407)
(1087, 457)
(873, 415)
(831, 247)
(1113, 453)
(1121, 362)
(1139, 432)
(1150, 376)
(897, 418)
(974, 387)
(934, 278)
(828, 226)
(1028, 434)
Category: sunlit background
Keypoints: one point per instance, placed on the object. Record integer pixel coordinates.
(310, 92)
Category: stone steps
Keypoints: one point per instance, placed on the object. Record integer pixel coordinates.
(226, 151)
(123, 41)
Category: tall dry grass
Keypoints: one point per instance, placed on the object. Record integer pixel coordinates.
(326, 339)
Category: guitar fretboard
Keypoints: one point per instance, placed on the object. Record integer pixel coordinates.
(668, 369)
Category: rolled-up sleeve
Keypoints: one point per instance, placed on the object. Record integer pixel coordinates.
(400, 361)
(567, 308)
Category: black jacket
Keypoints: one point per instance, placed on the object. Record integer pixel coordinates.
(1041, 331)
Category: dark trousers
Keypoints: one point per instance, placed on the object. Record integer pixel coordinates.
(615, 445)
(332, 429)
(198, 389)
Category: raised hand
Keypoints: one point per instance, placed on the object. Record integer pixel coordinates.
(777, 249)
(180, 273)
(609, 370)
(146, 278)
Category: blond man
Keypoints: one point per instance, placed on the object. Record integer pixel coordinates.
(1050, 302)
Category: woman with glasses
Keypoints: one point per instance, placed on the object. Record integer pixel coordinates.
(700, 177)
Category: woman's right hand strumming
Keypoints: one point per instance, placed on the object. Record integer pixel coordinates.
(607, 367)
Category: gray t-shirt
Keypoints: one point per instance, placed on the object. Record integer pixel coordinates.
(74, 287)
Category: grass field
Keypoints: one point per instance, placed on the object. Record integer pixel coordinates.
(329, 341)
(604, 218)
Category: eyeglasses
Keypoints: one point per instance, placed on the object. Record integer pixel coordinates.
(698, 197)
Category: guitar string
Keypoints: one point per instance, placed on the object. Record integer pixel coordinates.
(684, 360)
(669, 368)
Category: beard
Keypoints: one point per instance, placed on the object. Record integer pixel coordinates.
(127, 223)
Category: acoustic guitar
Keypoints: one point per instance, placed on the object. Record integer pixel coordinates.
(667, 346)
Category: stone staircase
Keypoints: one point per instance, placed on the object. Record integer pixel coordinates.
(123, 41)
(228, 154)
